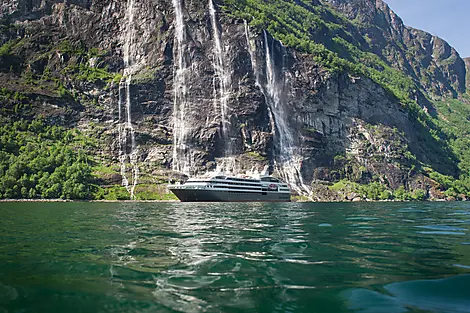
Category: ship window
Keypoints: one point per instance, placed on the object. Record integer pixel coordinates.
(270, 179)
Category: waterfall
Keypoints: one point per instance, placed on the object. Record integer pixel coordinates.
(274, 87)
(183, 159)
(122, 141)
(251, 51)
(222, 82)
(288, 159)
(125, 128)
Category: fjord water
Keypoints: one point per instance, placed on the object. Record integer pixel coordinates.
(187, 257)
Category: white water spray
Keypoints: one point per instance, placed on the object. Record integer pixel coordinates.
(183, 159)
(287, 157)
(125, 128)
(222, 81)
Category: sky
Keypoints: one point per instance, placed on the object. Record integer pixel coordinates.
(448, 19)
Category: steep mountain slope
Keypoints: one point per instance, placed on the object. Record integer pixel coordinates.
(429, 60)
(467, 64)
(168, 87)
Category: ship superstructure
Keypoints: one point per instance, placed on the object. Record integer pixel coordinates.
(218, 187)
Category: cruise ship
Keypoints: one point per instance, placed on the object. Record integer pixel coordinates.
(218, 187)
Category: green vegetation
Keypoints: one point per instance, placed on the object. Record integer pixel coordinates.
(325, 35)
(6, 94)
(377, 191)
(41, 161)
(81, 64)
(112, 193)
(335, 43)
(145, 192)
(144, 76)
(84, 72)
(78, 48)
(38, 160)
(7, 48)
(255, 156)
(454, 117)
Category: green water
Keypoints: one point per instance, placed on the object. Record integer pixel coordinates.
(178, 257)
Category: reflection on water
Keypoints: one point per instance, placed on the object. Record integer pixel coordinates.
(185, 257)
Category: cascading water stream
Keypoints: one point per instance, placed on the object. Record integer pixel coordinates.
(126, 130)
(182, 156)
(222, 90)
(287, 159)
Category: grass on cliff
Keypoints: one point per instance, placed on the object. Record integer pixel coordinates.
(454, 120)
(9, 47)
(326, 35)
(83, 72)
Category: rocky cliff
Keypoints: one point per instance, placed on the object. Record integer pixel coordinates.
(428, 59)
(170, 87)
(467, 65)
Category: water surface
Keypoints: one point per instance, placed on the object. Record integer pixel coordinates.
(184, 257)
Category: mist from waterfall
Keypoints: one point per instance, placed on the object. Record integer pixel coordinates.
(183, 157)
(128, 151)
(287, 156)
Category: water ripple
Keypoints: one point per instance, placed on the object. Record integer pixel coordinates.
(293, 257)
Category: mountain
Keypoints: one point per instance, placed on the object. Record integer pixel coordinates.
(467, 65)
(339, 98)
(428, 59)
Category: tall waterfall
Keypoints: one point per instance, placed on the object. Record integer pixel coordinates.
(222, 90)
(288, 159)
(222, 80)
(274, 87)
(128, 152)
(182, 154)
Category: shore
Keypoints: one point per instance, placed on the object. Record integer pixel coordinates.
(176, 201)
(105, 201)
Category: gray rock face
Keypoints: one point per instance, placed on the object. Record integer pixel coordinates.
(428, 59)
(467, 65)
(281, 109)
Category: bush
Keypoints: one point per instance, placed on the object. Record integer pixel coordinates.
(38, 160)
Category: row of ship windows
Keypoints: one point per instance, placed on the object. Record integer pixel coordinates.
(268, 179)
(231, 187)
(264, 194)
(236, 179)
(234, 184)
(237, 184)
(247, 188)
(225, 182)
